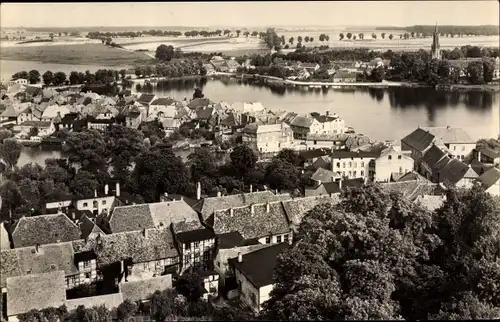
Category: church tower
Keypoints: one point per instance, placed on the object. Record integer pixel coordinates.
(435, 48)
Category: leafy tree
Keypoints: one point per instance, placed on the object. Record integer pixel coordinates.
(290, 156)
(21, 75)
(291, 40)
(488, 69)
(126, 310)
(198, 93)
(33, 131)
(48, 77)
(391, 36)
(349, 35)
(4, 134)
(10, 151)
(164, 53)
(161, 305)
(341, 36)
(243, 160)
(87, 149)
(282, 175)
(74, 78)
(84, 184)
(190, 285)
(382, 35)
(59, 78)
(475, 72)
(34, 76)
(378, 74)
(157, 172)
(202, 162)
(299, 39)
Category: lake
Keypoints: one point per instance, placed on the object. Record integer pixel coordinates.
(382, 114)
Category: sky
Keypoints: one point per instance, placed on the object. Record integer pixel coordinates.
(247, 14)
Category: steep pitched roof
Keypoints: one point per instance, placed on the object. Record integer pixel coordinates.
(490, 153)
(253, 221)
(335, 187)
(490, 177)
(302, 121)
(199, 102)
(450, 135)
(111, 301)
(143, 289)
(146, 98)
(324, 175)
(433, 156)
(163, 101)
(45, 229)
(88, 227)
(140, 246)
(454, 171)
(204, 113)
(136, 217)
(207, 206)
(297, 208)
(230, 240)
(35, 292)
(419, 139)
(258, 266)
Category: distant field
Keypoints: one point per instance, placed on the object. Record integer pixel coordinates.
(81, 54)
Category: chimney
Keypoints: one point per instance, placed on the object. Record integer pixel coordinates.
(95, 193)
(479, 156)
(144, 233)
(165, 194)
(251, 188)
(340, 185)
(37, 248)
(219, 194)
(265, 187)
(333, 178)
(240, 257)
(198, 191)
(117, 188)
(327, 113)
(182, 198)
(252, 209)
(73, 216)
(268, 207)
(231, 212)
(106, 189)
(276, 192)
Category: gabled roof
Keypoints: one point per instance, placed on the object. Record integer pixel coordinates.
(419, 139)
(433, 156)
(324, 175)
(111, 301)
(252, 221)
(143, 289)
(230, 240)
(159, 214)
(302, 121)
(163, 101)
(139, 246)
(325, 118)
(454, 171)
(450, 135)
(339, 154)
(297, 208)
(35, 292)
(258, 266)
(204, 113)
(88, 227)
(334, 187)
(146, 98)
(316, 153)
(207, 206)
(195, 235)
(45, 229)
(490, 153)
(199, 102)
(490, 177)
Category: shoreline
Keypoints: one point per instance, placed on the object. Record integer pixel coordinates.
(271, 80)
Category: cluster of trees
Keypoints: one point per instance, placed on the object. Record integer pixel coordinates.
(485, 30)
(172, 69)
(182, 303)
(101, 76)
(132, 34)
(272, 39)
(378, 256)
(33, 76)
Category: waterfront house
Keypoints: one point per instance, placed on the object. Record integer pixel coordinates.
(491, 181)
(310, 67)
(326, 141)
(353, 164)
(254, 273)
(232, 65)
(133, 118)
(45, 128)
(389, 164)
(496, 70)
(327, 124)
(268, 139)
(145, 99)
(99, 124)
(210, 69)
(456, 140)
(418, 143)
(53, 111)
(300, 125)
(343, 76)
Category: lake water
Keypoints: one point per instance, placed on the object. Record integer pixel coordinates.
(381, 114)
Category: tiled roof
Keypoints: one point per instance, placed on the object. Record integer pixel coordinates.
(479, 167)
(302, 121)
(324, 175)
(296, 209)
(140, 246)
(490, 177)
(412, 189)
(334, 187)
(419, 139)
(131, 218)
(143, 289)
(230, 240)
(207, 206)
(204, 113)
(166, 213)
(111, 301)
(339, 154)
(256, 224)
(310, 154)
(454, 171)
(45, 229)
(146, 98)
(38, 124)
(411, 176)
(35, 292)
(288, 118)
(88, 227)
(199, 102)
(163, 101)
(325, 118)
(433, 156)
(195, 235)
(490, 153)
(258, 266)
(450, 135)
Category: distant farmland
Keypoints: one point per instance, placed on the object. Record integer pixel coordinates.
(78, 54)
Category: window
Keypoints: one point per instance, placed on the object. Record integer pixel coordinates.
(196, 244)
(278, 239)
(454, 148)
(218, 264)
(85, 204)
(399, 157)
(315, 142)
(268, 240)
(400, 170)
(104, 202)
(338, 164)
(362, 173)
(390, 157)
(86, 264)
(188, 245)
(350, 173)
(354, 173)
(350, 164)
(254, 298)
(343, 173)
(362, 163)
(355, 164)
(186, 260)
(285, 238)
(343, 164)
(87, 275)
